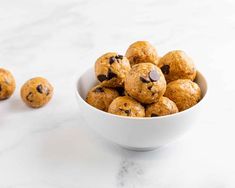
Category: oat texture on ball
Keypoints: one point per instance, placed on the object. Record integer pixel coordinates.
(111, 69)
(7, 84)
(163, 107)
(184, 93)
(36, 92)
(126, 106)
(100, 97)
(140, 52)
(177, 65)
(145, 83)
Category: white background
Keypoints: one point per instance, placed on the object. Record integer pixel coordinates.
(52, 147)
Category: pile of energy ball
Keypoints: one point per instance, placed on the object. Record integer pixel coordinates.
(142, 84)
(36, 92)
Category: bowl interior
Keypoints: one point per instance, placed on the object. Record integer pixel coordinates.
(88, 80)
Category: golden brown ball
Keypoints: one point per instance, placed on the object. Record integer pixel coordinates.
(184, 93)
(7, 84)
(177, 65)
(100, 97)
(163, 107)
(145, 83)
(36, 92)
(140, 52)
(111, 69)
(126, 106)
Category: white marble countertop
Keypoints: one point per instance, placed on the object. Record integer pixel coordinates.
(52, 147)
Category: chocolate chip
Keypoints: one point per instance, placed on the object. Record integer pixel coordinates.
(154, 115)
(0, 87)
(150, 87)
(39, 88)
(111, 74)
(112, 60)
(28, 97)
(121, 91)
(119, 57)
(165, 69)
(125, 104)
(144, 80)
(153, 75)
(102, 77)
(144, 105)
(128, 112)
(98, 90)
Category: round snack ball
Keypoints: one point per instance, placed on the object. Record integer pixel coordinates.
(184, 93)
(101, 97)
(145, 83)
(161, 108)
(7, 84)
(141, 51)
(126, 106)
(36, 92)
(111, 69)
(177, 65)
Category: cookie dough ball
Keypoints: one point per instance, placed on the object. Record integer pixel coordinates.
(7, 84)
(161, 108)
(36, 92)
(101, 97)
(184, 93)
(126, 106)
(145, 83)
(111, 69)
(177, 65)
(140, 52)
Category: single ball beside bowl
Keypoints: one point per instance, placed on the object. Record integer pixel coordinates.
(36, 92)
(7, 84)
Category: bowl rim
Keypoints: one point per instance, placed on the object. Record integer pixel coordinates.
(140, 118)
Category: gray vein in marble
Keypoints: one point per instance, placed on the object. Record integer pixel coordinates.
(129, 174)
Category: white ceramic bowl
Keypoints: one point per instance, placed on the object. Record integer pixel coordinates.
(136, 133)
